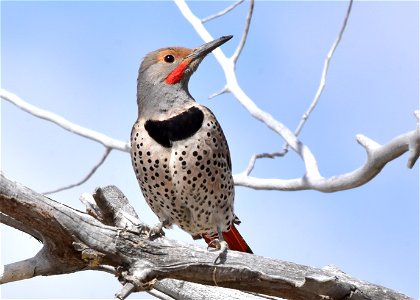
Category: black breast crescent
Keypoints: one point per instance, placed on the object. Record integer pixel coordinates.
(177, 128)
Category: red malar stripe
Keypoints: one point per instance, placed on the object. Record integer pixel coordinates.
(176, 75)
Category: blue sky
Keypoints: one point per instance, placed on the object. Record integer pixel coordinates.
(80, 60)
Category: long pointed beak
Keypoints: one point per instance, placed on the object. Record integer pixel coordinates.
(205, 49)
(190, 63)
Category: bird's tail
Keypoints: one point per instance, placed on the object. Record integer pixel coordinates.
(234, 240)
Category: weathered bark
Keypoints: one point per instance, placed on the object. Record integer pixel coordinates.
(111, 238)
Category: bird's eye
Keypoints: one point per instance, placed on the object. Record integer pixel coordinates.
(169, 58)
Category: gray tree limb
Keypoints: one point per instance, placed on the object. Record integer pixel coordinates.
(377, 157)
(118, 242)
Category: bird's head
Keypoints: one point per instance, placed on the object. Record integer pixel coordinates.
(169, 69)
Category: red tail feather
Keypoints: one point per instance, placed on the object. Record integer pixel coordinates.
(234, 240)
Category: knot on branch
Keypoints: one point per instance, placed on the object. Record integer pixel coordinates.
(91, 257)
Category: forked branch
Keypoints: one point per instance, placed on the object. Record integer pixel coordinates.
(377, 157)
(312, 178)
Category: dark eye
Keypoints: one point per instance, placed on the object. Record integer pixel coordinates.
(169, 58)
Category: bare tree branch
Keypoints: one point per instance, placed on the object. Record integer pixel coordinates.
(126, 291)
(9, 221)
(75, 241)
(223, 12)
(254, 158)
(160, 295)
(399, 145)
(184, 290)
(241, 45)
(378, 156)
(87, 177)
(63, 123)
(108, 142)
(222, 91)
(324, 72)
(415, 144)
(43, 263)
(232, 84)
(112, 239)
(317, 96)
(312, 178)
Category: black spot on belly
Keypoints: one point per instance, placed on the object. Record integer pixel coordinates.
(176, 128)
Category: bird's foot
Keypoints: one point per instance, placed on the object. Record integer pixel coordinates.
(217, 245)
(156, 231)
(220, 246)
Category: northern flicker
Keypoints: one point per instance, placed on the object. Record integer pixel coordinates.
(179, 152)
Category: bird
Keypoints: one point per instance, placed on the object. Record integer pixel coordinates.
(179, 152)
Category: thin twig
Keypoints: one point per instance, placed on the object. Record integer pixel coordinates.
(223, 12)
(254, 158)
(63, 123)
(322, 83)
(86, 178)
(241, 45)
(225, 89)
(317, 96)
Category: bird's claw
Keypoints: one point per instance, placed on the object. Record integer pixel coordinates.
(221, 246)
(156, 231)
(217, 245)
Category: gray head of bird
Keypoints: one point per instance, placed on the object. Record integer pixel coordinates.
(164, 75)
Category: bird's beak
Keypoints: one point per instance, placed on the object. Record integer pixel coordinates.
(205, 49)
(190, 63)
